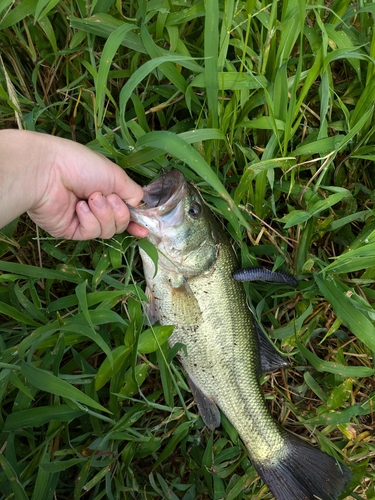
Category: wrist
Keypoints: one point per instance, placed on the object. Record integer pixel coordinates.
(24, 167)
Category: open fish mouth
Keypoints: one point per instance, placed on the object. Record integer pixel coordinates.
(166, 191)
(161, 203)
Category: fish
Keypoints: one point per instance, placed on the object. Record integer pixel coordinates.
(225, 351)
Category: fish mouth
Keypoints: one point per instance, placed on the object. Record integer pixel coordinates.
(161, 204)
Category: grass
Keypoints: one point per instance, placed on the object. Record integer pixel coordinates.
(278, 98)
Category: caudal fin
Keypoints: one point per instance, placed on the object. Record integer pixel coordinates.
(304, 473)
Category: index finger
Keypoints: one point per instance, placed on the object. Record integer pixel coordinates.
(130, 192)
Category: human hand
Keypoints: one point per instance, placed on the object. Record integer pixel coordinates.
(74, 192)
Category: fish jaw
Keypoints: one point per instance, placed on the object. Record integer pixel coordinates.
(179, 224)
(162, 205)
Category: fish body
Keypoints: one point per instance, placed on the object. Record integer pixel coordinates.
(193, 290)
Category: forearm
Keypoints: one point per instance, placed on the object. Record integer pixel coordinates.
(21, 172)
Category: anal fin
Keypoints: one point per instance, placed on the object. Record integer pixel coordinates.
(208, 409)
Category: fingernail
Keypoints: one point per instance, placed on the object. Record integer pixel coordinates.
(84, 206)
(99, 201)
(113, 200)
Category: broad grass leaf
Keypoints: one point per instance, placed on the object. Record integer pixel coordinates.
(103, 25)
(336, 368)
(322, 205)
(45, 481)
(61, 465)
(364, 104)
(16, 382)
(340, 394)
(200, 135)
(343, 221)
(315, 387)
(321, 146)
(38, 272)
(293, 327)
(110, 48)
(366, 236)
(165, 375)
(192, 11)
(14, 313)
(299, 216)
(47, 27)
(109, 368)
(19, 12)
(239, 484)
(100, 269)
(14, 481)
(82, 300)
(353, 260)
(178, 435)
(36, 417)
(147, 154)
(338, 295)
(29, 307)
(357, 127)
(207, 459)
(151, 339)
(141, 73)
(263, 123)
(211, 54)
(37, 336)
(133, 380)
(256, 168)
(281, 103)
(151, 251)
(93, 298)
(168, 69)
(47, 382)
(295, 218)
(82, 329)
(43, 7)
(337, 417)
(233, 81)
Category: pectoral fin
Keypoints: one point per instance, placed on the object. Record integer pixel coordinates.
(150, 308)
(270, 359)
(208, 410)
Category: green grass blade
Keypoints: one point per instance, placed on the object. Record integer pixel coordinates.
(18, 490)
(46, 381)
(176, 146)
(110, 48)
(20, 11)
(347, 310)
(36, 417)
(211, 55)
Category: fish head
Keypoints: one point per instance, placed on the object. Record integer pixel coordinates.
(179, 224)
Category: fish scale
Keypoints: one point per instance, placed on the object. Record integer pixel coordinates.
(224, 351)
(230, 341)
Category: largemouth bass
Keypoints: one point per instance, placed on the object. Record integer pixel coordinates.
(194, 290)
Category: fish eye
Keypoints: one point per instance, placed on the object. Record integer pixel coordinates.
(195, 210)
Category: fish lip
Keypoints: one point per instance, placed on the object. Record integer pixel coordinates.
(169, 189)
(160, 197)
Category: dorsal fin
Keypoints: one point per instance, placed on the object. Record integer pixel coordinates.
(263, 274)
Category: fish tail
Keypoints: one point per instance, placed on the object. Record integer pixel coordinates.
(303, 473)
